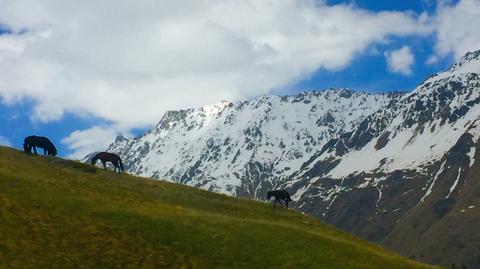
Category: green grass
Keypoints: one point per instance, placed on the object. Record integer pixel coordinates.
(62, 214)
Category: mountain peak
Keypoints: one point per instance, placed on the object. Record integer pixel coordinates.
(469, 63)
(216, 108)
(120, 139)
(470, 59)
(472, 55)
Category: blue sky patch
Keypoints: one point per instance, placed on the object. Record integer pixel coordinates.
(114, 62)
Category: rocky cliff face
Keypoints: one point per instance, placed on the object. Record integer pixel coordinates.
(408, 175)
(246, 148)
(399, 169)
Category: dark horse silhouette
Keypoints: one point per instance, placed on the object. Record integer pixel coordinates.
(34, 141)
(108, 157)
(279, 195)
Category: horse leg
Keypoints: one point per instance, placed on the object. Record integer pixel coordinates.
(275, 204)
(35, 150)
(120, 166)
(104, 165)
(44, 151)
(286, 202)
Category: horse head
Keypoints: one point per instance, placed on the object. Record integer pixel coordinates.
(94, 159)
(52, 150)
(27, 148)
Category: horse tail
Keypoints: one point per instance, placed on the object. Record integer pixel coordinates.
(121, 164)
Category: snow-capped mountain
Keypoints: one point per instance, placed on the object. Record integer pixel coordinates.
(398, 169)
(408, 176)
(246, 148)
(421, 127)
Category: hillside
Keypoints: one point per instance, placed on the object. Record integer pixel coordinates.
(397, 169)
(63, 214)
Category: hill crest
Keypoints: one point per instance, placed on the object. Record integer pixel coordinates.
(65, 214)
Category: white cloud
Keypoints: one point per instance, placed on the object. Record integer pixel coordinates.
(400, 61)
(129, 61)
(81, 143)
(457, 28)
(5, 142)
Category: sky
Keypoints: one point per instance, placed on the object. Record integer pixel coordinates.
(83, 72)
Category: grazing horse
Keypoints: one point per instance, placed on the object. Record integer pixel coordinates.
(34, 141)
(109, 157)
(279, 195)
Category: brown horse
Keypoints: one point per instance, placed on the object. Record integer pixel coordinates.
(109, 157)
(279, 196)
(34, 141)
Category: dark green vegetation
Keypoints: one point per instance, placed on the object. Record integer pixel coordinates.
(63, 214)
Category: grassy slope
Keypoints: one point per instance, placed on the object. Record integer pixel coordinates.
(62, 214)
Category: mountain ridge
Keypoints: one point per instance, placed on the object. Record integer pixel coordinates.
(250, 143)
(420, 155)
(377, 165)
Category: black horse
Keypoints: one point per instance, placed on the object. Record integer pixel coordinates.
(279, 195)
(34, 141)
(108, 157)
